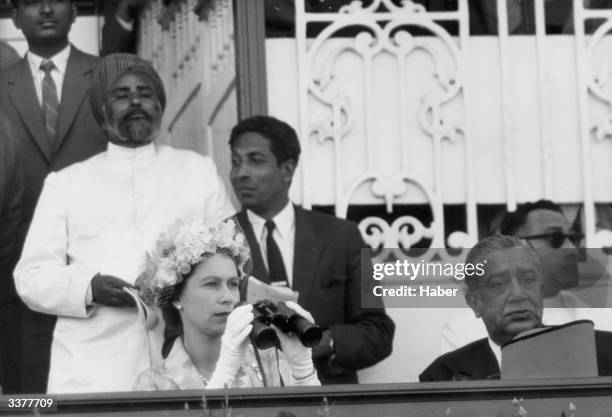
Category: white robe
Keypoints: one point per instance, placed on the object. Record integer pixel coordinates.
(101, 216)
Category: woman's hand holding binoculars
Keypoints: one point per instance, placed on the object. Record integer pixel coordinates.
(234, 343)
(298, 356)
(284, 325)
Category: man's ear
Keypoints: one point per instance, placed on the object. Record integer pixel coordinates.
(288, 169)
(473, 301)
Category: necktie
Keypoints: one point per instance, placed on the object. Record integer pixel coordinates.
(276, 267)
(50, 103)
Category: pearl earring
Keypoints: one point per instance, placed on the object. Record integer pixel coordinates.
(178, 306)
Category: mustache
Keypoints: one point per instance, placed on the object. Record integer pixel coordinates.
(136, 112)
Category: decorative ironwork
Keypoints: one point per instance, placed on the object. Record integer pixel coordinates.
(595, 105)
(329, 110)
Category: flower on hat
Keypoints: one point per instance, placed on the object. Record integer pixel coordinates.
(184, 245)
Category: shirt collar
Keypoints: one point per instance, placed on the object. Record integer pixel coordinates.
(60, 60)
(179, 367)
(178, 357)
(496, 351)
(141, 154)
(284, 220)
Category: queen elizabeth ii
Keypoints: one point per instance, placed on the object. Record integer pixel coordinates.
(195, 275)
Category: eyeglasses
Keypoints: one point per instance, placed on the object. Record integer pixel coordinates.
(556, 239)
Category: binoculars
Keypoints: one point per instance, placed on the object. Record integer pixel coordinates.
(288, 321)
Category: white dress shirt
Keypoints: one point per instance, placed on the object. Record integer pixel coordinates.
(496, 351)
(284, 236)
(102, 216)
(58, 73)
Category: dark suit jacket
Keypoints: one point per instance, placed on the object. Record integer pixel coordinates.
(11, 191)
(326, 273)
(477, 361)
(79, 136)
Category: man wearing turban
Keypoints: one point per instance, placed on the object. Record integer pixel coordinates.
(95, 222)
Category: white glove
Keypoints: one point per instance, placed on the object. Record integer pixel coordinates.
(234, 343)
(298, 356)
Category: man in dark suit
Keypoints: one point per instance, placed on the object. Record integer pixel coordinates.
(477, 361)
(44, 97)
(315, 254)
(508, 298)
(11, 190)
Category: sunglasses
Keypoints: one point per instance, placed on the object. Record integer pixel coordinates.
(556, 239)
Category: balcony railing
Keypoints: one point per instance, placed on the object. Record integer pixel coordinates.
(585, 397)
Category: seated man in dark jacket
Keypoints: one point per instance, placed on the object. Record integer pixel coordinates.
(508, 298)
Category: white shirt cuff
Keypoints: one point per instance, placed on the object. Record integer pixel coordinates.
(89, 297)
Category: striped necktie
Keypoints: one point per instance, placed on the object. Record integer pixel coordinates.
(276, 266)
(50, 103)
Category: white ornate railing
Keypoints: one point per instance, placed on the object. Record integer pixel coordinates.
(387, 117)
(332, 114)
(595, 107)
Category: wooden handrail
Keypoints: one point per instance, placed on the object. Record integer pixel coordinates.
(285, 398)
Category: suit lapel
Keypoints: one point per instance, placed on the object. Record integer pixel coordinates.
(23, 97)
(76, 85)
(307, 250)
(259, 268)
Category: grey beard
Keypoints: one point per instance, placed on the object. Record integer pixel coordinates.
(132, 136)
(136, 131)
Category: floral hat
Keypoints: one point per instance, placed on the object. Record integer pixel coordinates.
(184, 245)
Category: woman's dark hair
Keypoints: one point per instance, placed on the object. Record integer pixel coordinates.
(172, 317)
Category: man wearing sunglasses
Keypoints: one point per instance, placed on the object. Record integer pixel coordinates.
(543, 227)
